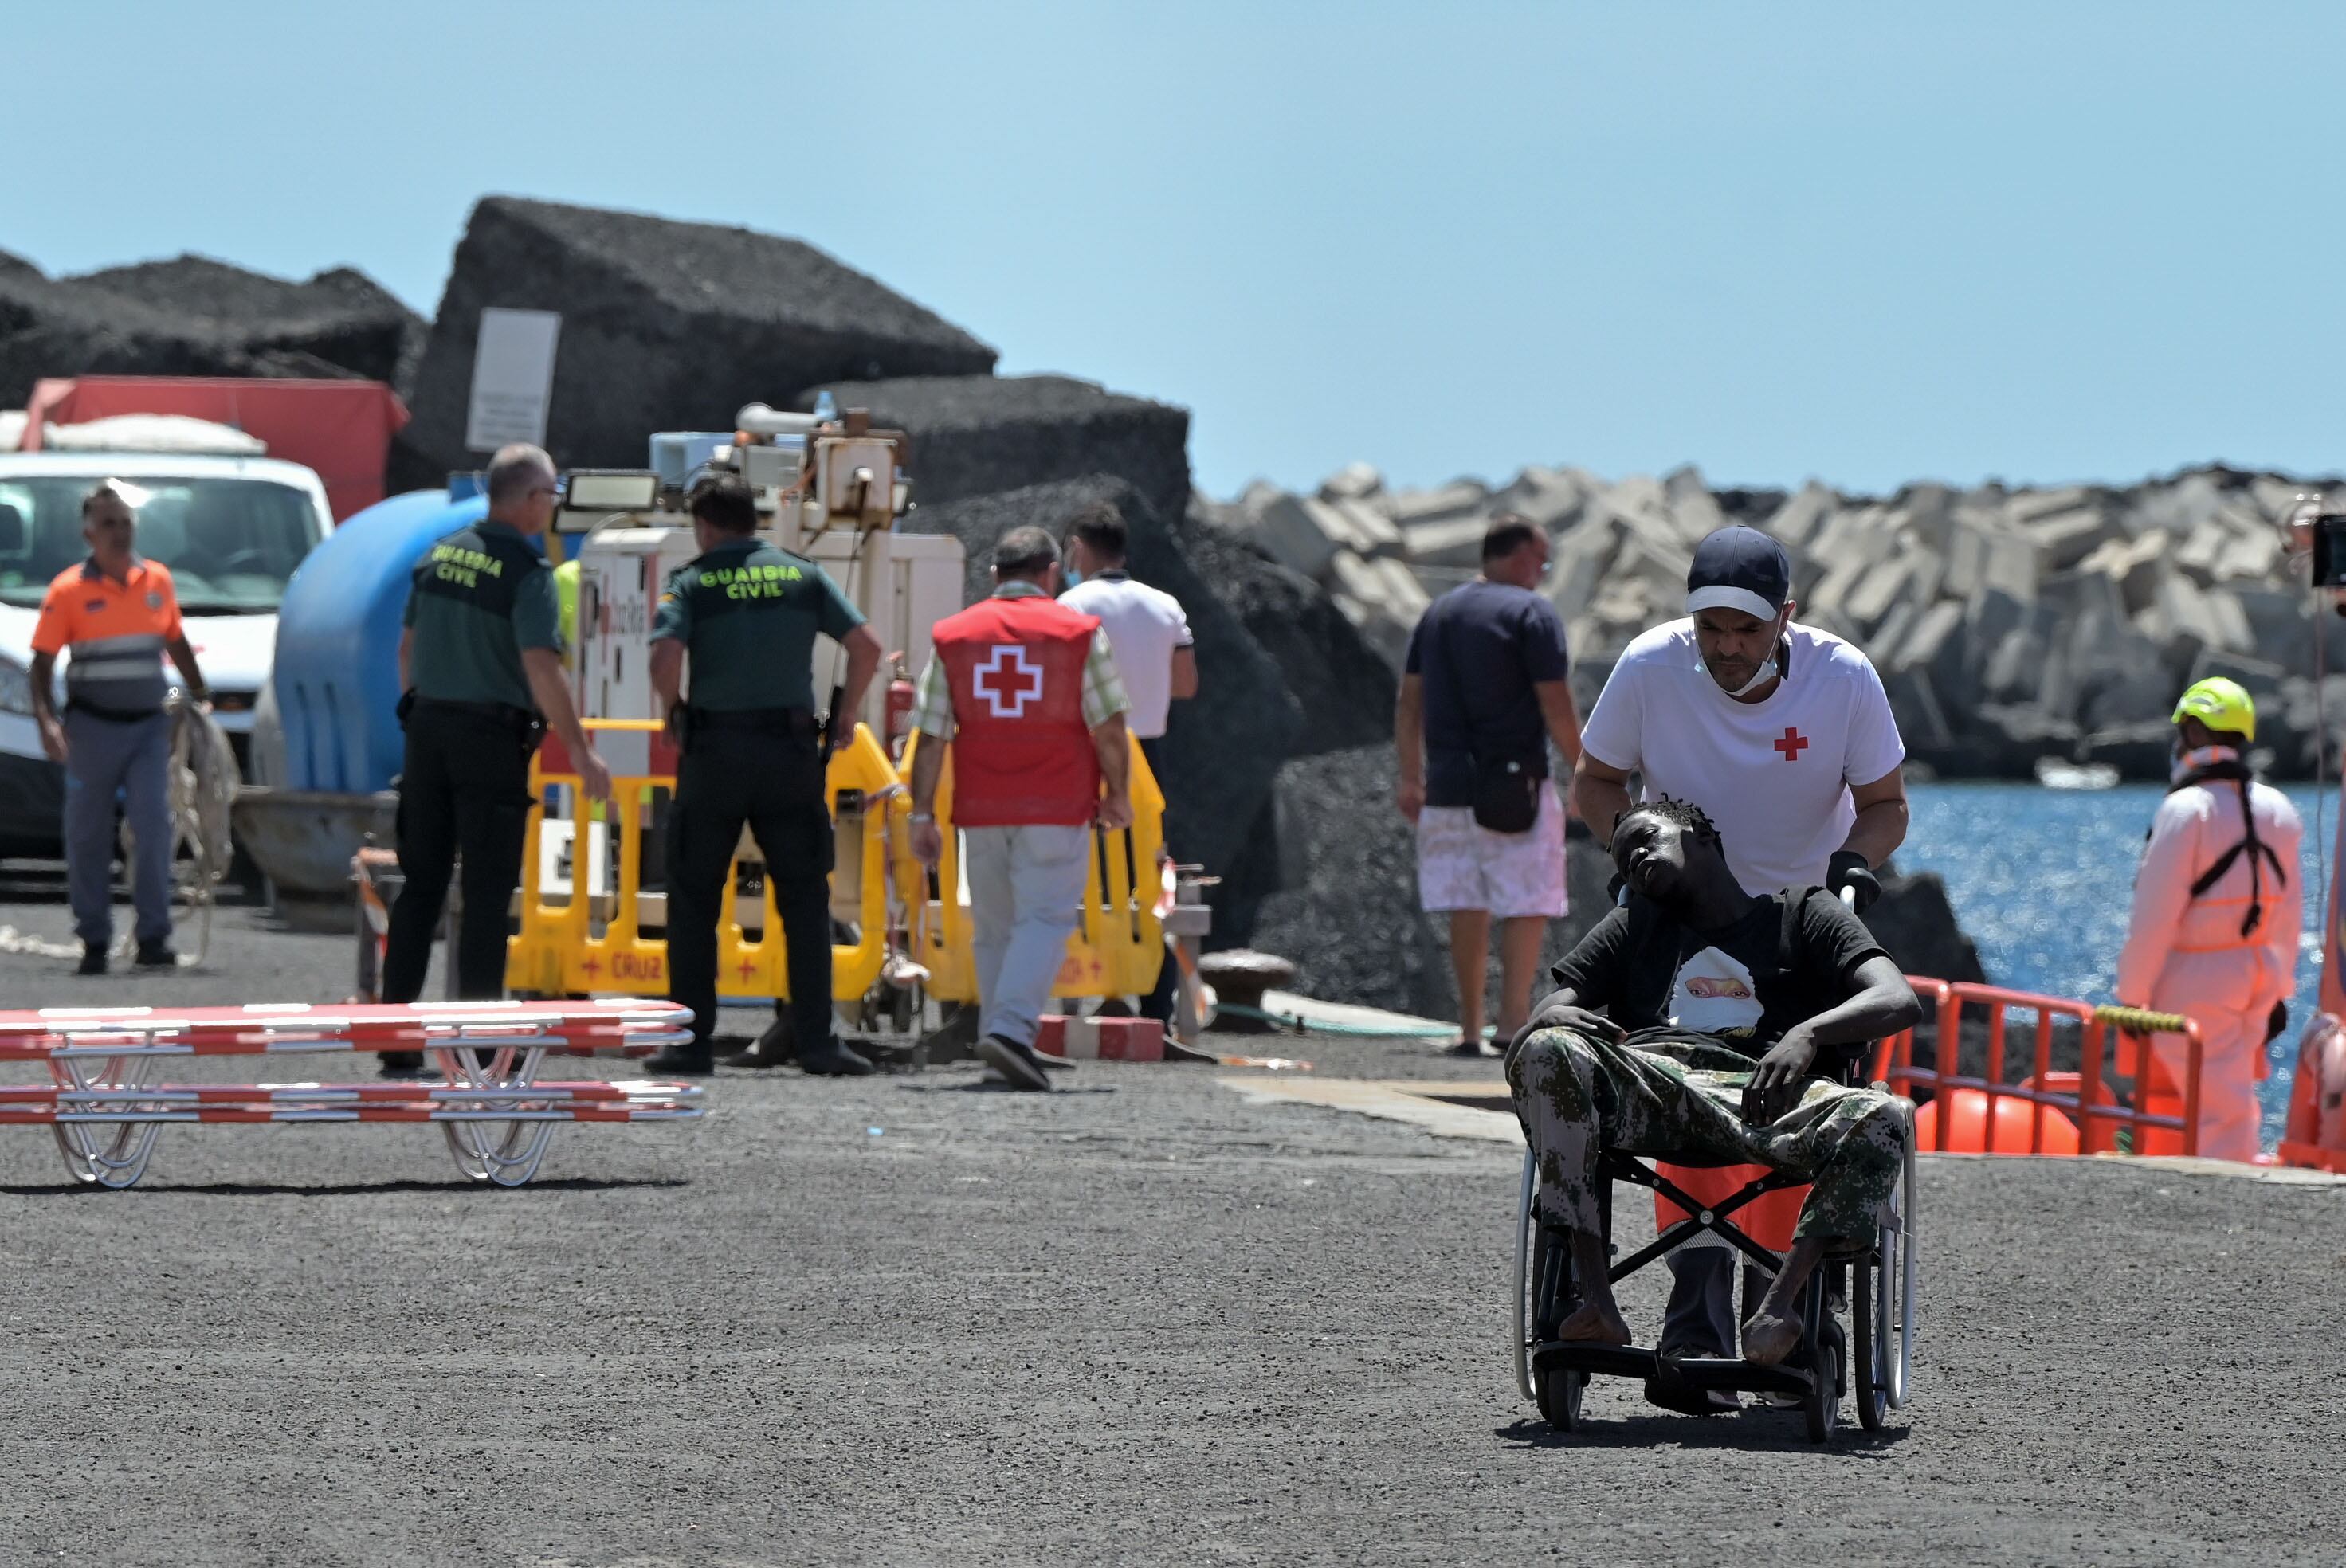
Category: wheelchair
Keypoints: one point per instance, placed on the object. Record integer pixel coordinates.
(1876, 1285)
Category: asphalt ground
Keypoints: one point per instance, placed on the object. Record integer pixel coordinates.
(918, 1319)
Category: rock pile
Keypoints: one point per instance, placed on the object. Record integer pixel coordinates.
(197, 317)
(665, 326)
(2009, 625)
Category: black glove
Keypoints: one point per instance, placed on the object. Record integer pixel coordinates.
(406, 706)
(1848, 869)
(2276, 1021)
(1616, 891)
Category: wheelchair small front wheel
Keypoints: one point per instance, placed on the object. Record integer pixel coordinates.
(1820, 1406)
(1559, 1389)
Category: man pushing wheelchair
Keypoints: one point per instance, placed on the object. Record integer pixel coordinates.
(1704, 1024)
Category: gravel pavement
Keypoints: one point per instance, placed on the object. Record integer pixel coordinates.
(921, 1319)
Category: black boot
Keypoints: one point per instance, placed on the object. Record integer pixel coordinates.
(776, 1046)
(834, 1059)
(687, 1061)
(92, 958)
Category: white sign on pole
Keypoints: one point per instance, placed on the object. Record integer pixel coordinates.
(513, 377)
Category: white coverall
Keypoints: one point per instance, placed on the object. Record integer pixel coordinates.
(2186, 955)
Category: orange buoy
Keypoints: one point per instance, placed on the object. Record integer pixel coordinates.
(1968, 1133)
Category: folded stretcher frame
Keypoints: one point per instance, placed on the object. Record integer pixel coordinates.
(107, 1109)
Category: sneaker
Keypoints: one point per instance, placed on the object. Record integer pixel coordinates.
(92, 959)
(1017, 1062)
(157, 955)
(401, 1066)
(835, 1059)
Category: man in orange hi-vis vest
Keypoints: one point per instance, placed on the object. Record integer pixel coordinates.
(1026, 689)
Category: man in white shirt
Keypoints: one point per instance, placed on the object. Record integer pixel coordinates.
(1149, 635)
(1146, 627)
(1782, 736)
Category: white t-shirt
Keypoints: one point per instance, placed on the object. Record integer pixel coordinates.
(1144, 625)
(1773, 775)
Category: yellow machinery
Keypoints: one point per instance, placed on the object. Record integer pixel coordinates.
(575, 941)
(587, 922)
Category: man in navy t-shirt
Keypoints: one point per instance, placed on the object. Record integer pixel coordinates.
(1481, 696)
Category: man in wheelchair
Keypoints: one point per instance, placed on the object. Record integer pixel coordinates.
(1703, 1024)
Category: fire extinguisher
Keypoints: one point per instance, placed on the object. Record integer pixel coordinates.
(900, 707)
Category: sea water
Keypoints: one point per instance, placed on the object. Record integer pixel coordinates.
(2041, 879)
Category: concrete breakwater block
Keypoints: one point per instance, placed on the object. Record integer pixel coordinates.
(665, 326)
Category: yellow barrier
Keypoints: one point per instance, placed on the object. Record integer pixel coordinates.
(1120, 943)
(592, 940)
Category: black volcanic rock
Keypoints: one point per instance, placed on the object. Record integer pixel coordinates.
(975, 435)
(665, 326)
(1224, 746)
(197, 317)
(1343, 689)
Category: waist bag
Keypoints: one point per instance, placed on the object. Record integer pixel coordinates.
(1506, 789)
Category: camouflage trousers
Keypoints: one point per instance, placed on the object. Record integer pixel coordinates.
(1668, 1093)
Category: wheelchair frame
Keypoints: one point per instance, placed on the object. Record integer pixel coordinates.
(1877, 1284)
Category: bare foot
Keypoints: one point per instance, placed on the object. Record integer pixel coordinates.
(1768, 1338)
(1595, 1325)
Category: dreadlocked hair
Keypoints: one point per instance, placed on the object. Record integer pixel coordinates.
(1679, 813)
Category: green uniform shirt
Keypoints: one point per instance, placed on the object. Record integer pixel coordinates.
(479, 597)
(748, 612)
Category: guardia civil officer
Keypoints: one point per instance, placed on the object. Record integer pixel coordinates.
(747, 613)
(481, 660)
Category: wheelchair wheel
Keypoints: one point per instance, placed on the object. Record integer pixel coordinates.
(1543, 1295)
(1824, 1353)
(1556, 1389)
(1873, 1371)
(1821, 1407)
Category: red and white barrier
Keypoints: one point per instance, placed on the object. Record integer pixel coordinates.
(1100, 1039)
(497, 1117)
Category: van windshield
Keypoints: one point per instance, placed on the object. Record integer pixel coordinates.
(231, 544)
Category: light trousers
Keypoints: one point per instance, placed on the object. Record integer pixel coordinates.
(1026, 897)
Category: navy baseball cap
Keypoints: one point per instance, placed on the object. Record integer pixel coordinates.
(1740, 568)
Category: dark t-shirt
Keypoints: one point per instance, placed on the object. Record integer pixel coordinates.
(478, 598)
(1479, 649)
(1646, 969)
(747, 613)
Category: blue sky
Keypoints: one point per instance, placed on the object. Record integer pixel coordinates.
(1868, 243)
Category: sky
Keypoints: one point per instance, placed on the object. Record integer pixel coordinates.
(1863, 243)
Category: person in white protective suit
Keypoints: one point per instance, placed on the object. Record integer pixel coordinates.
(2217, 911)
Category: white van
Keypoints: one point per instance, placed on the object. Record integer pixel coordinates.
(231, 530)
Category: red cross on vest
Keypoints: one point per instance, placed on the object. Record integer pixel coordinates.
(1792, 744)
(1020, 751)
(1007, 680)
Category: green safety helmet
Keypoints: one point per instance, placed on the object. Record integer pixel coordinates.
(2223, 706)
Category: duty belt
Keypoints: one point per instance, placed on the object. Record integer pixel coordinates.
(749, 721)
(526, 725)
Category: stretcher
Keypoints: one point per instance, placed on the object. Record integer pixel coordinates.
(106, 1107)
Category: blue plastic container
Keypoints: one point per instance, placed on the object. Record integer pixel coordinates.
(337, 670)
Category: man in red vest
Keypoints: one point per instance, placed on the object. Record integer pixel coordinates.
(1026, 691)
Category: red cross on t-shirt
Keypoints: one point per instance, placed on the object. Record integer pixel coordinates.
(1792, 744)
